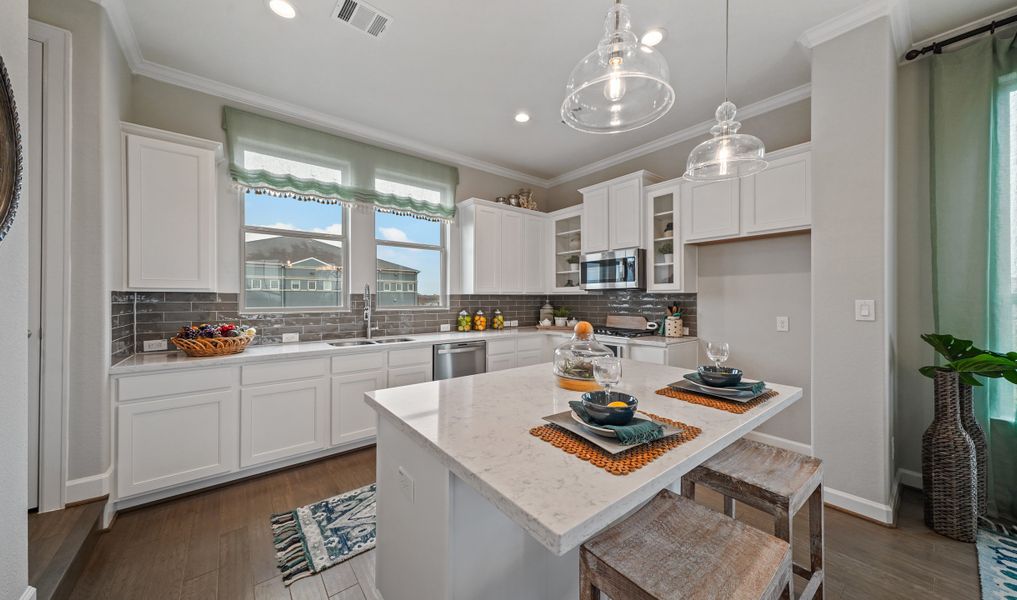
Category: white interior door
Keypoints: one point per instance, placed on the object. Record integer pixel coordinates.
(35, 182)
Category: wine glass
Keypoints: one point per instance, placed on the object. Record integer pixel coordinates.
(718, 352)
(607, 372)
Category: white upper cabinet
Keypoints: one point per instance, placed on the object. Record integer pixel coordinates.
(171, 210)
(671, 266)
(779, 198)
(711, 210)
(776, 200)
(565, 249)
(613, 213)
(495, 248)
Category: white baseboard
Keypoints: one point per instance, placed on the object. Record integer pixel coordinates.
(766, 438)
(29, 593)
(912, 479)
(881, 513)
(87, 488)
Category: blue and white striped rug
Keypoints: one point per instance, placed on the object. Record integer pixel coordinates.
(997, 564)
(321, 535)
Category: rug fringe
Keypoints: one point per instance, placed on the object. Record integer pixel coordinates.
(291, 556)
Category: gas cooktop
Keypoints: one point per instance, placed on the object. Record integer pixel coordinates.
(622, 332)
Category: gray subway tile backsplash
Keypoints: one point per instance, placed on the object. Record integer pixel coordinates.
(143, 316)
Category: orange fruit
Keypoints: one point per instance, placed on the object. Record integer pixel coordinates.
(583, 328)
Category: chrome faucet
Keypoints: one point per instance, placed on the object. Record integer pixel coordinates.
(367, 310)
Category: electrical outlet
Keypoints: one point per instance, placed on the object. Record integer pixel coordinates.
(782, 324)
(406, 484)
(513, 323)
(685, 330)
(155, 345)
(444, 327)
(865, 310)
(289, 338)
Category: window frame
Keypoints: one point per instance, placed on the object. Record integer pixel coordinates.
(244, 229)
(442, 247)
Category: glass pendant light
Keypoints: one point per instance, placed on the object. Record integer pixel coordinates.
(728, 154)
(620, 86)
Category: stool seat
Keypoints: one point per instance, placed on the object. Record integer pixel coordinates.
(675, 549)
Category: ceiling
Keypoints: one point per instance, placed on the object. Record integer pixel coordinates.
(450, 74)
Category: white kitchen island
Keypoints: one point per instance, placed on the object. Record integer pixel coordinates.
(471, 506)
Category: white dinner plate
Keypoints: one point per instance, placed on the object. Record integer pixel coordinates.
(604, 431)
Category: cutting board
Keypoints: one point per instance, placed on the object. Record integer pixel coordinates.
(626, 321)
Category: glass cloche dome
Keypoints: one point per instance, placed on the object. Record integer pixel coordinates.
(573, 360)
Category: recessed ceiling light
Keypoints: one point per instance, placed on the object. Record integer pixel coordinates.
(653, 37)
(522, 117)
(282, 8)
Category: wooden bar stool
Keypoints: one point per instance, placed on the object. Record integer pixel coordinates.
(776, 481)
(675, 549)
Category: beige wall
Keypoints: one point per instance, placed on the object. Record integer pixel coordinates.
(743, 287)
(13, 323)
(781, 128)
(914, 260)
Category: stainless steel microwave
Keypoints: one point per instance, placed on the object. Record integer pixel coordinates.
(616, 270)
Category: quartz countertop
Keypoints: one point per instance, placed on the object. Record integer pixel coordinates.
(478, 427)
(163, 361)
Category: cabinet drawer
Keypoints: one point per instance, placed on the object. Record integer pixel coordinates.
(530, 342)
(283, 371)
(410, 356)
(409, 375)
(169, 384)
(353, 363)
(529, 357)
(495, 347)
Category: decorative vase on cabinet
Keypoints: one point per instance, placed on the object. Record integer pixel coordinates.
(949, 467)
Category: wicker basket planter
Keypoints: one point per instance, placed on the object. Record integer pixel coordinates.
(949, 467)
(212, 346)
(974, 431)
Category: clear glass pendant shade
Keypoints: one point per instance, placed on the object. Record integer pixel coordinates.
(620, 86)
(728, 154)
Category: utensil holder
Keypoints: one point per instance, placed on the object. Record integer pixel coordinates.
(673, 327)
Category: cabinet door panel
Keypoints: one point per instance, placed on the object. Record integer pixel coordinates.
(352, 418)
(534, 240)
(529, 357)
(779, 197)
(409, 375)
(282, 420)
(487, 250)
(625, 202)
(501, 362)
(171, 441)
(710, 210)
(510, 259)
(170, 215)
(595, 236)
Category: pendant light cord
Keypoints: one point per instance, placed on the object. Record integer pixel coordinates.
(727, 43)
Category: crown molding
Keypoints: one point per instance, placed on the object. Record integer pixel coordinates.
(782, 99)
(897, 11)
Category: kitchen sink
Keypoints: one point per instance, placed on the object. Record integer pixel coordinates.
(393, 340)
(352, 343)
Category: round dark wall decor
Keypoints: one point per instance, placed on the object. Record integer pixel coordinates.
(10, 153)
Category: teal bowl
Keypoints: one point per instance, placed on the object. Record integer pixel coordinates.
(596, 405)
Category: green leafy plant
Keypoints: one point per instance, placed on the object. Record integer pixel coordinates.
(572, 260)
(665, 248)
(968, 361)
(562, 312)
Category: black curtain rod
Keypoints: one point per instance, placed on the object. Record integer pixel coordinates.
(937, 47)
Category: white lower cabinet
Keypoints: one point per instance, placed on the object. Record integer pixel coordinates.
(409, 375)
(170, 441)
(525, 358)
(500, 362)
(352, 418)
(283, 419)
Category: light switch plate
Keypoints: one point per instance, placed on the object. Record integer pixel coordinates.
(289, 338)
(155, 345)
(865, 310)
(783, 324)
(406, 484)
(445, 327)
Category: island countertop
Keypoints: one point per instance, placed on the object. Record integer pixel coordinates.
(478, 428)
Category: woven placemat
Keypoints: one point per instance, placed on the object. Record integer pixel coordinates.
(622, 463)
(730, 406)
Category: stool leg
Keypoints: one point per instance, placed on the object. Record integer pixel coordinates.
(729, 507)
(587, 591)
(816, 537)
(688, 488)
(782, 530)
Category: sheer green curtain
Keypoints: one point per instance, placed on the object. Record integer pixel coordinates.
(974, 232)
(275, 157)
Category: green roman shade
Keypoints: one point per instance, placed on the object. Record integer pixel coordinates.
(269, 156)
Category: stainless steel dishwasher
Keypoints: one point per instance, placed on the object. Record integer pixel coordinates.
(459, 359)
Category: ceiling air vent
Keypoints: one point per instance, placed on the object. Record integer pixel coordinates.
(363, 16)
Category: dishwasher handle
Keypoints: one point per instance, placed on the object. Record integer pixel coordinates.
(458, 350)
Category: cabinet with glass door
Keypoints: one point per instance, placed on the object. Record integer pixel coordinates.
(671, 265)
(566, 250)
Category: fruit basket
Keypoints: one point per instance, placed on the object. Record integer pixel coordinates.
(213, 340)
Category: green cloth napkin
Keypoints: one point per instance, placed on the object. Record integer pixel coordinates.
(638, 431)
(744, 386)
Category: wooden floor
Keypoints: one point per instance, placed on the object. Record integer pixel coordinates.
(218, 545)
